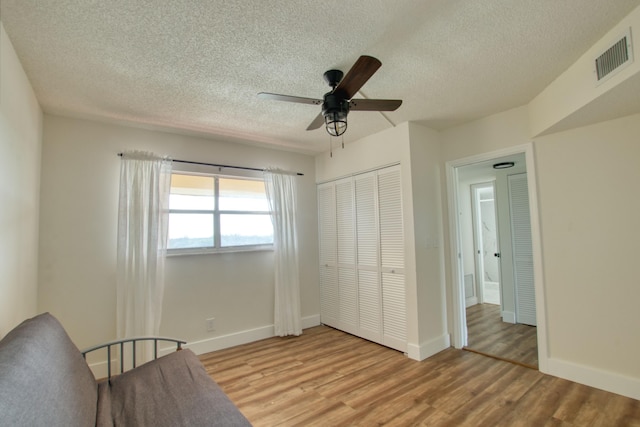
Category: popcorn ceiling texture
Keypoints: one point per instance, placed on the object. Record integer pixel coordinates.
(196, 66)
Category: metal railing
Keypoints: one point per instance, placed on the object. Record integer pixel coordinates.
(133, 341)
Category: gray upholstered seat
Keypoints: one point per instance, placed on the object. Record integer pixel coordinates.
(44, 381)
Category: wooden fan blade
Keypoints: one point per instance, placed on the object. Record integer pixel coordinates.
(288, 98)
(357, 76)
(374, 104)
(317, 122)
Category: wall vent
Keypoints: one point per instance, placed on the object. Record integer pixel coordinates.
(614, 58)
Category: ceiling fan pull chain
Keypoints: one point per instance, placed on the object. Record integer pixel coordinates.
(330, 147)
(343, 141)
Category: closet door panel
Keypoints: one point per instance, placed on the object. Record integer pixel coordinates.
(394, 311)
(329, 292)
(345, 222)
(348, 300)
(327, 224)
(366, 220)
(348, 286)
(394, 305)
(369, 303)
(329, 296)
(522, 249)
(390, 213)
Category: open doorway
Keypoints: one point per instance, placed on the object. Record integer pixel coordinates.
(496, 272)
(485, 238)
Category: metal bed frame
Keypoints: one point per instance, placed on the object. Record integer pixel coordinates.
(133, 341)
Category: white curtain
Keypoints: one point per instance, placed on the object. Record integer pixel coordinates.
(143, 217)
(281, 192)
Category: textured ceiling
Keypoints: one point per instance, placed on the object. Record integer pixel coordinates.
(196, 66)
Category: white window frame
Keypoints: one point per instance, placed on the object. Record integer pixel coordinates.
(197, 170)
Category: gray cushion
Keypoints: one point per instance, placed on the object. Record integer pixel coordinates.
(44, 380)
(103, 416)
(174, 390)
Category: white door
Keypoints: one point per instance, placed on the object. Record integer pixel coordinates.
(522, 249)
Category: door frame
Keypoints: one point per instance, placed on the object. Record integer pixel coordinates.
(459, 333)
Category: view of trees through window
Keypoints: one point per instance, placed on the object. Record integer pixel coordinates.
(218, 212)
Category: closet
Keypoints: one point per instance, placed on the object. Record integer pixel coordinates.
(362, 256)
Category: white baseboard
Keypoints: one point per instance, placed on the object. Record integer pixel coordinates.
(593, 377)
(243, 337)
(99, 369)
(509, 317)
(429, 348)
(230, 340)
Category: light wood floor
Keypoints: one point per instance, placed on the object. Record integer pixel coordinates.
(328, 378)
(488, 334)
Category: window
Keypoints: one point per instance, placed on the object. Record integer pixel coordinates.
(210, 213)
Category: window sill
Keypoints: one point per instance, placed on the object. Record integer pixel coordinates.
(216, 251)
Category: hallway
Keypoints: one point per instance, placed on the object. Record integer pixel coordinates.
(489, 335)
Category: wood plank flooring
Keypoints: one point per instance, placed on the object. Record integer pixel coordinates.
(488, 334)
(329, 378)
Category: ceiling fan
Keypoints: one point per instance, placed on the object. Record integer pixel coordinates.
(337, 103)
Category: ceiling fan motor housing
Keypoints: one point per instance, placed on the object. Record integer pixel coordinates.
(333, 103)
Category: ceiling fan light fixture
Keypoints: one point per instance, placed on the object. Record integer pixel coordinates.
(504, 165)
(336, 122)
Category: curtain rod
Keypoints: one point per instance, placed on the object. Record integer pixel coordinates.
(221, 166)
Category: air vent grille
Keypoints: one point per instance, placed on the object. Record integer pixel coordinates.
(614, 57)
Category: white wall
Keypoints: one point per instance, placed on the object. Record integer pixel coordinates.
(20, 145)
(587, 179)
(80, 178)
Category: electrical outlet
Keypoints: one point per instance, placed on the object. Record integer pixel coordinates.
(210, 324)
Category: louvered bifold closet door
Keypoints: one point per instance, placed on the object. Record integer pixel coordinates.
(362, 277)
(329, 293)
(394, 306)
(347, 279)
(367, 250)
(522, 249)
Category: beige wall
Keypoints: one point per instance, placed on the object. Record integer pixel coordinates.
(80, 178)
(20, 143)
